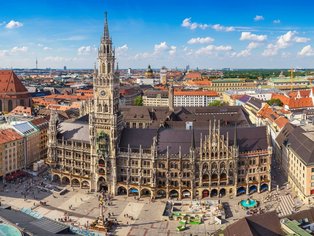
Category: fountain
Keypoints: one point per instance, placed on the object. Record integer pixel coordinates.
(249, 203)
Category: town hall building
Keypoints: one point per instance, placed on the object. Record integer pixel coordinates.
(159, 152)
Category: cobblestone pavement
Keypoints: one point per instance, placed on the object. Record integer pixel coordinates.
(135, 217)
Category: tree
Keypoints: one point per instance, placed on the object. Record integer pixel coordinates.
(138, 101)
(275, 101)
(216, 103)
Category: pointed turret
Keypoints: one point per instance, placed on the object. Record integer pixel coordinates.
(193, 139)
(235, 143)
(106, 28)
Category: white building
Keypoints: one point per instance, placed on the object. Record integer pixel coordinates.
(194, 98)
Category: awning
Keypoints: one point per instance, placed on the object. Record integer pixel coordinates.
(133, 190)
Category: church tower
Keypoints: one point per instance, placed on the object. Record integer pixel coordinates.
(106, 118)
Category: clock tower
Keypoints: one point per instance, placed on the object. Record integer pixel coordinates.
(106, 120)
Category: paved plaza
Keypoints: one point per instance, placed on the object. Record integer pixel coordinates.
(138, 217)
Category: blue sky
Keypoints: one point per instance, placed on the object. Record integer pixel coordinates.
(174, 33)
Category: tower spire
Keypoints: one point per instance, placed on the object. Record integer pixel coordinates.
(193, 139)
(106, 29)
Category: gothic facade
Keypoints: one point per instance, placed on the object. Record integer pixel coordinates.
(175, 158)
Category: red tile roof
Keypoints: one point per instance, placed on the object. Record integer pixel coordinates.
(193, 75)
(11, 86)
(20, 110)
(281, 121)
(9, 135)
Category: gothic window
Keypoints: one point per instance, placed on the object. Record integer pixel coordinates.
(10, 105)
(222, 166)
(22, 102)
(106, 108)
(108, 68)
(99, 107)
(214, 166)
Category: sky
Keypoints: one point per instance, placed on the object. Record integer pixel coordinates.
(209, 34)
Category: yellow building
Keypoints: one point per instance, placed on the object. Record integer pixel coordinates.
(11, 151)
(221, 85)
(297, 159)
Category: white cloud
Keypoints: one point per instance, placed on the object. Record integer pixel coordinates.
(199, 40)
(253, 37)
(172, 50)
(212, 48)
(85, 50)
(19, 49)
(122, 50)
(219, 27)
(193, 25)
(13, 24)
(159, 50)
(258, 18)
(301, 39)
(307, 51)
(247, 52)
(40, 45)
(4, 53)
(283, 41)
(276, 21)
(160, 47)
(47, 48)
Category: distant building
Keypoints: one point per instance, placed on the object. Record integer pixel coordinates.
(295, 152)
(221, 85)
(163, 75)
(287, 83)
(12, 92)
(194, 98)
(157, 98)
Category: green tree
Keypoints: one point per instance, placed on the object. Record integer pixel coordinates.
(138, 101)
(275, 101)
(216, 103)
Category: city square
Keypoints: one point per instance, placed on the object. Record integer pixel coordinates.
(130, 118)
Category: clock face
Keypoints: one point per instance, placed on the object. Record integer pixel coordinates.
(102, 93)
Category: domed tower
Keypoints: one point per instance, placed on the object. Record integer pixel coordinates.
(149, 72)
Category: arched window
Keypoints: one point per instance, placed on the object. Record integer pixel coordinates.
(0, 105)
(22, 102)
(10, 105)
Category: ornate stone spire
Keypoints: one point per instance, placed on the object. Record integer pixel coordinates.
(106, 29)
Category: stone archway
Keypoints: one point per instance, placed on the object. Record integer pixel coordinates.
(241, 190)
(161, 194)
(145, 192)
(56, 179)
(222, 192)
(102, 184)
(205, 193)
(122, 191)
(186, 194)
(133, 191)
(173, 194)
(214, 193)
(85, 184)
(252, 189)
(65, 180)
(264, 187)
(75, 183)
